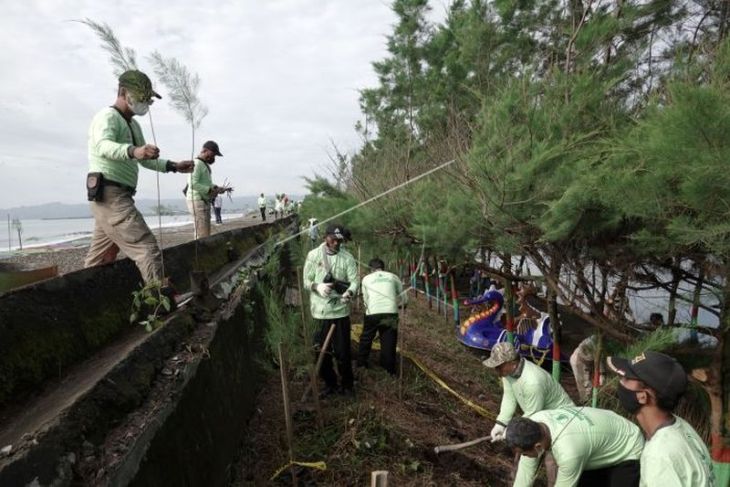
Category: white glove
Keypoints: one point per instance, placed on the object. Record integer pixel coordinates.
(497, 433)
(323, 289)
(346, 297)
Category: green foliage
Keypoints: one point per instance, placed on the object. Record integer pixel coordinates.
(121, 58)
(149, 304)
(182, 86)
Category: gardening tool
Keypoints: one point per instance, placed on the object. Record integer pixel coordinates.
(459, 446)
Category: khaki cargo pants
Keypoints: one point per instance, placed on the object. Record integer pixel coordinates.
(120, 226)
(200, 210)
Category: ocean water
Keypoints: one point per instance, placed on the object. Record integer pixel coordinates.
(69, 232)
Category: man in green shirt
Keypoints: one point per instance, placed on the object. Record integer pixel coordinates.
(201, 191)
(525, 385)
(116, 150)
(382, 294)
(330, 274)
(590, 447)
(674, 454)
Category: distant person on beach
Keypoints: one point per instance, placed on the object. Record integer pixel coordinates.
(116, 149)
(262, 206)
(525, 385)
(201, 190)
(218, 207)
(330, 275)
(383, 295)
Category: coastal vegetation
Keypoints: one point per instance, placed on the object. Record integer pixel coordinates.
(589, 141)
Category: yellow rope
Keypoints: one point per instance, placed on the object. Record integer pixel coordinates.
(315, 465)
(357, 331)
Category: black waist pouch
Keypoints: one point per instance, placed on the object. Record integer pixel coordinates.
(95, 186)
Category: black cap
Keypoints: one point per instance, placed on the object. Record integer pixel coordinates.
(138, 84)
(657, 370)
(213, 147)
(336, 230)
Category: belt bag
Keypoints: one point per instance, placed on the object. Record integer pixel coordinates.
(95, 186)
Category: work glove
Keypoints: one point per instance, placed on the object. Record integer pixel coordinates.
(498, 432)
(323, 289)
(346, 297)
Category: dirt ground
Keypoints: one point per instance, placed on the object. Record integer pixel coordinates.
(378, 430)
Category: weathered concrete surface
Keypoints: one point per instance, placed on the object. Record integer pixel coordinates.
(49, 326)
(152, 407)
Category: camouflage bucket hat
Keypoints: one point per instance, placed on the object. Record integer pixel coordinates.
(138, 84)
(501, 353)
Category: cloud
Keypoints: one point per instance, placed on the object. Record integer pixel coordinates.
(280, 78)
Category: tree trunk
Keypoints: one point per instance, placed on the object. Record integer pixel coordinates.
(718, 388)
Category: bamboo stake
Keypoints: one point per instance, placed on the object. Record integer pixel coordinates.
(307, 346)
(320, 359)
(379, 478)
(287, 410)
(401, 341)
(455, 301)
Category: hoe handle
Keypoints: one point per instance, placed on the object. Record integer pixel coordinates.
(459, 446)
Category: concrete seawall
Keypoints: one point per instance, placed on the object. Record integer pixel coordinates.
(130, 407)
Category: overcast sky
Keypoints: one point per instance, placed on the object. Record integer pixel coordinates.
(280, 77)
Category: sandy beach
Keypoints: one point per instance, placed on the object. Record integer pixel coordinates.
(70, 256)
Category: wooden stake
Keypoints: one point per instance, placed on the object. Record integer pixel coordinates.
(307, 345)
(379, 478)
(401, 340)
(320, 359)
(287, 410)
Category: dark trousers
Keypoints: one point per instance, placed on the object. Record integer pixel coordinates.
(385, 325)
(263, 213)
(624, 474)
(340, 348)
(218, 218)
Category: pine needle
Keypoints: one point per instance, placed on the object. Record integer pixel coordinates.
(182, 87)
(121, 58)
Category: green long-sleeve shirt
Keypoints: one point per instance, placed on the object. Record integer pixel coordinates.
(582, 439)
(382, 292)
(110, 136)
(200, 182)
(344, 268)
(533, 391)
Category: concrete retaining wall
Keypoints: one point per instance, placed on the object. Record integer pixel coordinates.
(48, 326)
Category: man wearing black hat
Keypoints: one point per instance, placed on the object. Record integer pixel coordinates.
(201, 191)
(650, 387)
(116, 150)
(330, 274)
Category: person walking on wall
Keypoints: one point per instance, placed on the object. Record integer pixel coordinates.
(262, 206)
(218, 208)
(116, 149)
(201, 190)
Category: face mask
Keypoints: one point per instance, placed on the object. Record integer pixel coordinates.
(628, 399)
(138, 107)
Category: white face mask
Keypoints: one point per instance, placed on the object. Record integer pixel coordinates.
(138, 107)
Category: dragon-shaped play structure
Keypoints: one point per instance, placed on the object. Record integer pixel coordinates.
(484, 327)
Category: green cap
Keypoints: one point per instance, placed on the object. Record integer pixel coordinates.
(138, 84)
